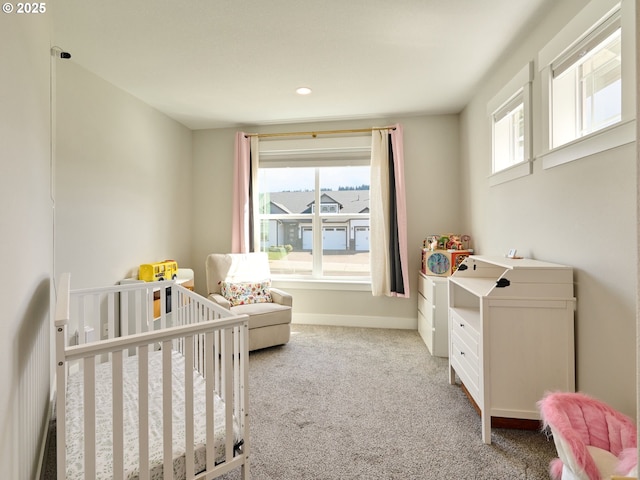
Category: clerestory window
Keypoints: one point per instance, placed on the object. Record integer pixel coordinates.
(510, 113)
(588, 84)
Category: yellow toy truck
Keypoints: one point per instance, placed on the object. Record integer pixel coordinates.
(152, 272)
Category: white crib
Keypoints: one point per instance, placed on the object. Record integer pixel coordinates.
(140, 397)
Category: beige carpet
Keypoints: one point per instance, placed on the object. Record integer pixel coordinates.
(351, 403)
(347, 403)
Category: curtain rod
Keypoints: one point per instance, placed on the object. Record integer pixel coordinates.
(315, 134)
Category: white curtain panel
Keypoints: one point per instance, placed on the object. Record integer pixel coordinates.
(254, 245)
(240, 209)
(388, 233)
(379, 205)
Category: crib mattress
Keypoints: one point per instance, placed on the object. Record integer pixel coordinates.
(104, 454)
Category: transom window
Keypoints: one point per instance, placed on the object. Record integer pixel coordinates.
(510, 114)
(586, 85)
(508, 134)
(588, 96)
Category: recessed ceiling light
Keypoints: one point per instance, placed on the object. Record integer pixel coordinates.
(303, 91)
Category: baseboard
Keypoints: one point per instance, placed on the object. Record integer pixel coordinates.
(364, 321)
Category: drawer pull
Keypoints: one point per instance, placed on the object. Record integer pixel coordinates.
(462, 325)
(462, 353)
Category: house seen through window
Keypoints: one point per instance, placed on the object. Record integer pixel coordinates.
(314, 220)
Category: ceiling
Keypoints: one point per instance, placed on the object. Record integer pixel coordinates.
(225, 63)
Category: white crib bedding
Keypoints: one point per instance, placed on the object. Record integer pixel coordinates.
(104, 439)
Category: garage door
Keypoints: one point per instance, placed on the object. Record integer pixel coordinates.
(362, 239)
(334, 238)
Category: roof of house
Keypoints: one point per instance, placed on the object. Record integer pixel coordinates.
(350, 201)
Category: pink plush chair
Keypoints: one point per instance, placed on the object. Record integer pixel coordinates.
(593, 440)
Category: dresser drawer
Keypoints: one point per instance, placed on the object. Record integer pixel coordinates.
(425, 287)
(465, 340)
(465, 328)
(466, 365)
(468, 355)
(426, 331)
(423, 304)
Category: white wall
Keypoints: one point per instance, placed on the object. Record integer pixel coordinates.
(25, 241)
(431, 176)
(123, 181)
(582, 214)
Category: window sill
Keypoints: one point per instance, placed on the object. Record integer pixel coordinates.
(315, 284)
(597, 142)
(522, 169)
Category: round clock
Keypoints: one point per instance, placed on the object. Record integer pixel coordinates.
(438, 263)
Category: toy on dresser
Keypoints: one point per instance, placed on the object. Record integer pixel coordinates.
(442, 254)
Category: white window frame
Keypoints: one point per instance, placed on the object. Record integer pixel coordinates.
(326, 207)
(618, 134)
(316, 153)
(519, 85)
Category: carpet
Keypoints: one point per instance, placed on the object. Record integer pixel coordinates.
(356, 403)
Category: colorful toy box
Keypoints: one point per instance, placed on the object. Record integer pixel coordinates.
(442, 254)
(442, 263)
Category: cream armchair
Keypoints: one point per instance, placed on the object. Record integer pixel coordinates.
(270, 319)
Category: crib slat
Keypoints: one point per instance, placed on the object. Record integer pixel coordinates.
(217, 376)
(124, 314)
(143, 411)
(167, 411)
(118, 415)
(188, 406)
(138, 312)
(243, 413)
(163, 308)
(150, 313)
(124, 318)
(228, 393)
(111, 317)
(95, 319)
(182, 308)
(236, 369)
(80, 326)
(209, 381)
(89, 418)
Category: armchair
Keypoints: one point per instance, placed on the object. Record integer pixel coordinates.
(593, 440)
(240, 282)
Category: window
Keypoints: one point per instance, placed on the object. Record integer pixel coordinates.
(588, 81)
(510, 115)
(508, 134)
(314, 208)
(586, 85)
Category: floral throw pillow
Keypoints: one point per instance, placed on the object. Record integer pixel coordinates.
(245, 293)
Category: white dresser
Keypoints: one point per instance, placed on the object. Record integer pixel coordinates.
(433, 323)
(511, 327)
